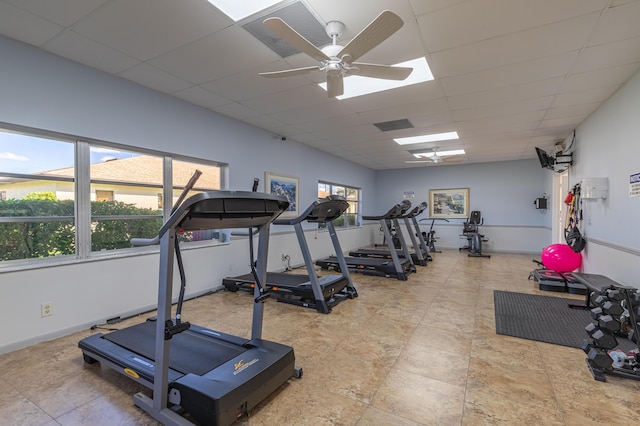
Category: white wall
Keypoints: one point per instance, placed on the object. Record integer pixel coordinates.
(607, 146)
(503, 191)
(44, 91)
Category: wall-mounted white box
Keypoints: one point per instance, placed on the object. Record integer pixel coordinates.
(594, 188)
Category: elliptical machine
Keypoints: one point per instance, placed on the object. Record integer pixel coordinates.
(472, 234)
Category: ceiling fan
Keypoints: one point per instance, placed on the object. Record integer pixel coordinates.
(338, 61)
(435, 157)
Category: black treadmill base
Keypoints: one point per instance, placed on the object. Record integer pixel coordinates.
(219, 396)
(295, 289)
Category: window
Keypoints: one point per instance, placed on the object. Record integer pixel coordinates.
(208, 180)
(125, 184)
(351, 194)
(37, 207)
(66, 197)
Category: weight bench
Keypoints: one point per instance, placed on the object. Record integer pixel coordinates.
(594, 283)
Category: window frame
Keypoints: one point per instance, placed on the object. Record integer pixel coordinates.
(357, 202)
(82, 216)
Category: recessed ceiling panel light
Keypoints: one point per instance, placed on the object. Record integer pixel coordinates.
(357, 86)
(240, 9)
(427, 138)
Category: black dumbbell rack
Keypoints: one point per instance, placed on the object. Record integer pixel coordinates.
(615, 312)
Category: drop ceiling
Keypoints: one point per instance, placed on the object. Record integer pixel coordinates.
(510, 75)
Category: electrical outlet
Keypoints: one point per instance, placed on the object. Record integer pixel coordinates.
(46, 309)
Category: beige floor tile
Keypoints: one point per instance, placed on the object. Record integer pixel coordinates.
(375, 417)
(418, 352)
(419, 358)
(420, 399)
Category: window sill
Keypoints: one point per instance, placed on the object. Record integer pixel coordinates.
(55, 261)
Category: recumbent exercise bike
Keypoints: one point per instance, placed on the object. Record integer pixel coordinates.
(472, 234)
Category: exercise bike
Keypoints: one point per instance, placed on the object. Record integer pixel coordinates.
(430, 237)
(472, 234)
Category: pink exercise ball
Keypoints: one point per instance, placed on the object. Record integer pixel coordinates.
(560, 258)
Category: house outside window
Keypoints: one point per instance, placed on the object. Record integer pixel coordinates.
(65, 197)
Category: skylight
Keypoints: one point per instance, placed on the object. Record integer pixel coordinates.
(440, 153)
(240, 9)
(426, 138)
(357, 86)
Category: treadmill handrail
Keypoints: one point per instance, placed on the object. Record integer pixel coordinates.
(145, 241)
(417, 210)
(320, 211)
(394, 212)
(220, 209)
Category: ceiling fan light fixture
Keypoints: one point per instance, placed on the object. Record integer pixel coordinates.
(434, 137)
(360, 86)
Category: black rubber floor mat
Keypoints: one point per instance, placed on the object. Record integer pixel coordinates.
(543, 318)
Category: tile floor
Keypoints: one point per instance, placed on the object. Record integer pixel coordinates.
(416, 352)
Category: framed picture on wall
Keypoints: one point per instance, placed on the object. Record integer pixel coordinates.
(287, 186)
(449, 203)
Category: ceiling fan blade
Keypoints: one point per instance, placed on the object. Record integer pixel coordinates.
(335, 86)
(380, 71)
(292, 37)
(375, 33)
(289, 73)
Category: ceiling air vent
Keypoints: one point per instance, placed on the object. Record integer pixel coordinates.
(300, 19)
(388, 126)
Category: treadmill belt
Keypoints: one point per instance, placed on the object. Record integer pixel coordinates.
(277, 279)
(190, 352)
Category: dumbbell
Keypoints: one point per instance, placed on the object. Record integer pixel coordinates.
(599, 358)
(615, 294)
(596, 313)
(601, 338)
(598, 299)
(612, 307)
(607, 322)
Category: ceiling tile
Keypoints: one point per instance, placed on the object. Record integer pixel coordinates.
(503, 110)
(62, 12)
(507, 94)
(538, 42)
(511, 16)
(599, 94)
(26, 27)
(524, 72)
(145, 29)
(602, 77)
(609, 55)
(200, 96)
(248, 84)
(71, 45)
(506, 72)
(572, 110)
(198, 63)
(154, 78)
(618, 23)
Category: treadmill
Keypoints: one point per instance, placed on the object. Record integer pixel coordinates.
(321, 293)
(213, 377)
(420, 255)
(394, 267)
